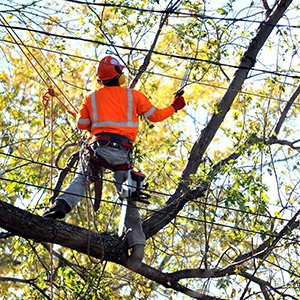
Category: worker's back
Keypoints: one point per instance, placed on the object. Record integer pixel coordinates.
(114, 109)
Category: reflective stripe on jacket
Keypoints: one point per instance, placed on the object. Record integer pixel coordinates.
(115, 109)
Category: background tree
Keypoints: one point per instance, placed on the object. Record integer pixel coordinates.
(223, 174)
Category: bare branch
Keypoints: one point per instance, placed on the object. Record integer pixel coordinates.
(266, 7)
(263, 285)
(170, 8)
(27, 281)
(5, 235)
(170, 280)
(285, 111)
(15, 168)
(73, 266)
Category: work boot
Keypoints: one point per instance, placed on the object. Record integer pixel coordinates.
(136, 257)
(58, 210)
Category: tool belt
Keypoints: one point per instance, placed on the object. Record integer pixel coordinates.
(115, 141)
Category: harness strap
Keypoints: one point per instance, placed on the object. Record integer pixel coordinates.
(112, 140)
(98, 183)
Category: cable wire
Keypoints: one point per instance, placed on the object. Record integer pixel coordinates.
(266, 233)
(160, 193)
(8, 28)
(176, 56)
(180, 13)
(189, 81)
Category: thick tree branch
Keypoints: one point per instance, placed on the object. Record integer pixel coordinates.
(29, 226)
(100, 246)
(178, 200)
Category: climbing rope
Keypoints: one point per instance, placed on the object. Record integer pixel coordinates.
(46, 98)
(50, 90)
(51, 179)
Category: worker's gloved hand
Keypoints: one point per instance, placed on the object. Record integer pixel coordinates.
(178, 102)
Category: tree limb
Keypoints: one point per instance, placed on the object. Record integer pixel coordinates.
(29, 226)
(27, 281)
(175, 203)
(285, 111)
(263, 284)
(41, 230)
(170, 8)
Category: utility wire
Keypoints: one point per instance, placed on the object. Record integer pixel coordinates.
(155, 192)
(176, 56)
(189, 81)
(146, 10)
(165, 213)
(180, 13)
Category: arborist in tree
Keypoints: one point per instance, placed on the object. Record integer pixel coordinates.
(110, 113)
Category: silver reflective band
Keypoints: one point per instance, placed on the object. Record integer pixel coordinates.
(129, 105)
(128, 123)
(150, 111)
(115, 124)
(83, 121)
(94, 107)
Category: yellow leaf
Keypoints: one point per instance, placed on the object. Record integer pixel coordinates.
(277, 214)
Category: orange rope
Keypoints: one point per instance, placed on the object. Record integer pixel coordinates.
(48, 97)
(51, 177)
(3, 21)
(45, 101)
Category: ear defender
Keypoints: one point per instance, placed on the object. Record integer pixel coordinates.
(121, 77)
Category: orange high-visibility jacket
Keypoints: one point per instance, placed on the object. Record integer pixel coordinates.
(115, 109)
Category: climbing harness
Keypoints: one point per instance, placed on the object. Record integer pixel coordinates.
(131, 190)
(108, 141)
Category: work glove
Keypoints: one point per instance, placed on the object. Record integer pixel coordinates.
(178, 102)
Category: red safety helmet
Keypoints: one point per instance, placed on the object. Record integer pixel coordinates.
(108, 68)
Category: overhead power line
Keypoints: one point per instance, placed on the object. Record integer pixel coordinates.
(155, 73)
(233, 227)
(154, 191)
(180, 13)
(181, 57)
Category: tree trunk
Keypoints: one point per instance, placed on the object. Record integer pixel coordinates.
(177, 202)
